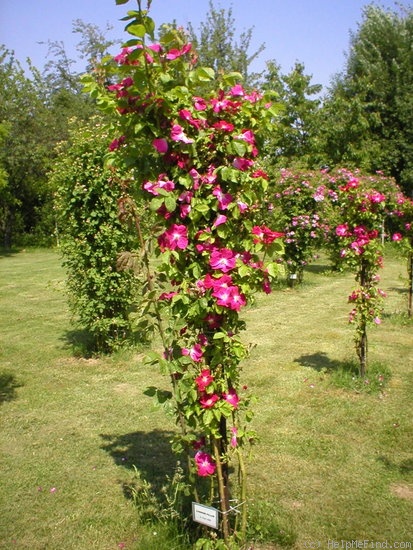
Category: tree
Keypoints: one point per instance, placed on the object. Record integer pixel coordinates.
(36, 110)
(216, 45)
(60, 72)
(6, 197)
(292, 139)
(94, 44)
(367, 119)
(298, 198)
(26, 150)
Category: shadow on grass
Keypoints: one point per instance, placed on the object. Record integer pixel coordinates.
(405, 467)
(8, 386)
(399, 289)
(321, 362)
(84, 344)
(149, 452)
(398, 317)
(318, 269)
(163, 498)
(346, 374)
(8, 252)
(81, 341)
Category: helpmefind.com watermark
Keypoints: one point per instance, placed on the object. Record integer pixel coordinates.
(332, 544)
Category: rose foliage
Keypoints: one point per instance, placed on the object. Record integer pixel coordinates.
(349, 214)
(403, 235)
(362, 212)
(196, 163)
(299, 198)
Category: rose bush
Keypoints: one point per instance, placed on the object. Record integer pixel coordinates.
(362, 212)
(299, 199)
(402, 222)
(195, 159)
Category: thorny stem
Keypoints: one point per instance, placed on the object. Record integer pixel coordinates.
(148, 76)
(243, 495)
(162, 335)
(362, 341)
(222, 490)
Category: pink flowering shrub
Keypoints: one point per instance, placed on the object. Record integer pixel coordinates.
(299, 197)
(362, 211)
(197, 167)
(346, 213)
(402, 215)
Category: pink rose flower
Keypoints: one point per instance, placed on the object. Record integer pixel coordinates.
(178, 134)
(242, 163)
(195, 353)
(204, 380)
(222, 259)
(160, 144)
(208, 401)
(231, 397)
(204, 464)
(342, 230)
(174, 237)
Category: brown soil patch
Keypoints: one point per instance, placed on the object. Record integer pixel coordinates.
(402, 491)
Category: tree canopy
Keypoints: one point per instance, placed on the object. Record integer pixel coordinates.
(367, 119)
(218, 47)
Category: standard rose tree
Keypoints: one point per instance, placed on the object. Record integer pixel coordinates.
(196, 163)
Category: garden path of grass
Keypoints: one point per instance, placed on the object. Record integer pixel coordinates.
(331, 463)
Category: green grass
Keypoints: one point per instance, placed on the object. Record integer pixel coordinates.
(334, 460)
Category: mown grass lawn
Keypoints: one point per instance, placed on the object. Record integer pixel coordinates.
(334, 460)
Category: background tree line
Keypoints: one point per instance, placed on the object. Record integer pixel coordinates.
(363, 120)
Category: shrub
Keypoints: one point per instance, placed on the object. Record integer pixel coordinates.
(92, 236)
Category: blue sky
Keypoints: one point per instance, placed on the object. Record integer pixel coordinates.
(315, 32)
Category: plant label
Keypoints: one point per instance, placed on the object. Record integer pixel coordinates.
(205, 515)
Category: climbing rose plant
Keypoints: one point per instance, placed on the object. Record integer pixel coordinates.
(196, 165)
(362, 211)
(299, 198)
(402, 222)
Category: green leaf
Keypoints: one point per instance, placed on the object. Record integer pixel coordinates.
(232, 78)
(204, 236)
(163, 395)
(170, 203)
(163, 192)
(208, 417)
(218, 413)
(272, 269)
(239, 148)
(120, 2)
(151, 358)
(150, 26)
(139, 127)
(131, 14)
(202, 74)
(229, 174)
(244, 270)
(136, 29)
(222, 231)
(168, 37)
(202, 208)
(156, 204)
(165, 78)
